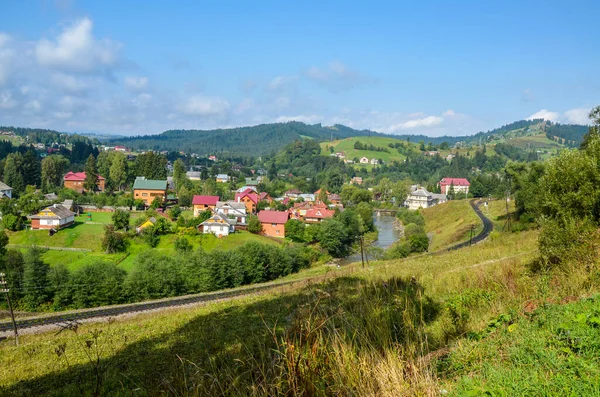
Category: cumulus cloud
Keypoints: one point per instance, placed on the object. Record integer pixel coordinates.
(133, 83)
(200, 105)
(449, 113)
(336, 77)
(282, 83)
(308, 119)
(425, 122)
(6, 58)
(546, 115)
(578, 116)
(77, 50)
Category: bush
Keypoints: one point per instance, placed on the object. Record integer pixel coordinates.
(294, 230)
(97, 284)
(418, 242)
(561, 242)
(12, 222)
(120, 219)
(151, 237)
(182, 244)
(254, 225)
(174, 212)
(113, 241)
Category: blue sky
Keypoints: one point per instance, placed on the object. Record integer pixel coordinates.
(397, 67)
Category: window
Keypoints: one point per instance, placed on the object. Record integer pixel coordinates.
(273, 225)
(144, 194)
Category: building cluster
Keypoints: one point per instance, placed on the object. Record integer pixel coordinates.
(419, 197)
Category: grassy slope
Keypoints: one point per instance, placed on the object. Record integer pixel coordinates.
(450, 223)
(347, 146)
(88, 236)
(221, 348)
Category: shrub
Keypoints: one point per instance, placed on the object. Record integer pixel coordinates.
(182, 244)
(120, 219)
(254, 225)
(12, 222)
(113, 241)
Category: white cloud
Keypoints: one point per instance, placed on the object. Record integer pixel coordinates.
(578, 116)
(336, 77)
(6, 58)
(134, 83)
(68, 83)
(205, 106)
(308, 119)
(281, 83)
(7, 101)
(76, 49)
(425, 122)
(449, 113)
(545, 114)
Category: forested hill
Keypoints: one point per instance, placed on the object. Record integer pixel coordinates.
(45, 136)
(256, 140)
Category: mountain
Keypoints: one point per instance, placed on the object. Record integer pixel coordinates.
(256, 140)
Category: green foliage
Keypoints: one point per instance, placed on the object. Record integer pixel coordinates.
(35, 280)
(156, 203)
(294, 230)
(182, 244)
(113, 241)
(13, 266)
(91, 174)
(334, 237)
(53, 169)
(12, 222)
(174, 212)
(254, 225)
(120, 219)
(151, 166)
(97, 284)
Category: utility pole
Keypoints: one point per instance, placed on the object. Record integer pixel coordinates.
(362, 252)
(471, 235)
(12, 314)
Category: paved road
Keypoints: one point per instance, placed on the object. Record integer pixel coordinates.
(205, 297)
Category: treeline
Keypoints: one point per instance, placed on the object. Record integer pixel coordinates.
(504, 129)
(358, 145)
(34, 285)
(46, 136)
(568, 134)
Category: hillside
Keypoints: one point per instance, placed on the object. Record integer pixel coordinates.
(257, 140)
(387, 154)
(341, 336)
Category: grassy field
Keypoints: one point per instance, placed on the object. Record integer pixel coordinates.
(472, 322)
(347, 146)
(450, 223)
(86, 237)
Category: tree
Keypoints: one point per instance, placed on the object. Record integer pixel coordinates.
(254, 225)
(294, 230)
(113, 241)
(14, 266)
(53, 169)
(334, 238)
(179, 175)
(120, 219)
(12, 222)
(156, 202)
(91, 174)
(97, 284)
(13, 175)
(182, 244)
(151, 166)
(35, 280)
(31, 168)
(118, 170)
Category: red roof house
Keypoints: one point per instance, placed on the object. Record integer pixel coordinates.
(273, 222)
(75, 180)
(459, 184)
(315, 215)
(248, 197)
(203, 203)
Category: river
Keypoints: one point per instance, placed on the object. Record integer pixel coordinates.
(387, 236)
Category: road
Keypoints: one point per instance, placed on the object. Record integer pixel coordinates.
(112, 311)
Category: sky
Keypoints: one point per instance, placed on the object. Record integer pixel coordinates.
(401, 67)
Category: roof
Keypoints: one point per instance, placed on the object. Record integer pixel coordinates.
(273, 216)
(58, 211)
(421, 192)
(319, 213)
(223, 176)
(216, 218)
(264, 195)
(234, 205)
(4, 186)
(250, 181)
(455, 182)
(149, 184)
(334, 196)
(205, 200)
(293, 191)
(247, 193)
(78, 176)
(244, 188)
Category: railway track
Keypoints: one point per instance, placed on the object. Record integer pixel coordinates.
(199, 298)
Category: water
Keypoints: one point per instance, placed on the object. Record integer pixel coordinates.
(387, 236)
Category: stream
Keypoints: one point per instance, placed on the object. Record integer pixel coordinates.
(388, 235)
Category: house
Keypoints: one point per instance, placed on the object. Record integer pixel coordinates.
(150, 222)
(334, 199)
(432, 153)
(340, 155)
(374, 161)
(193, 175)
(450, 157)
(316, 215)
(264, 196)
(218, 225)
(120, 148)
(421, 198)
(5, 190)
(357, 180)
(292, 193)
(223, 178)
(364, 160)
(232, 210)
(75, 181)
(252, 182)
(307, 197)
(244, 188)
(273, 222)
(203, 203)
(250, 199)
(53, 217)
(212, 158)
(460, 185)
(148, 189)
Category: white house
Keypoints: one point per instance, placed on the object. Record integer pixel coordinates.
(232, 210)
(374, 161)
(218, 225)
(54, 217)
(223, 178)
(421, 198)
(5, 190)
(364, 160)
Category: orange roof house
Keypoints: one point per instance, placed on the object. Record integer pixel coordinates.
(316, 215)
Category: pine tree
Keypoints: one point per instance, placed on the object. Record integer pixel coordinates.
(91, 174)
(118, 171)
(31, 168)
(13, 175)
(35, 280)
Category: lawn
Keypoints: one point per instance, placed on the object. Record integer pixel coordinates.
(347, 146)
(450, 223)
